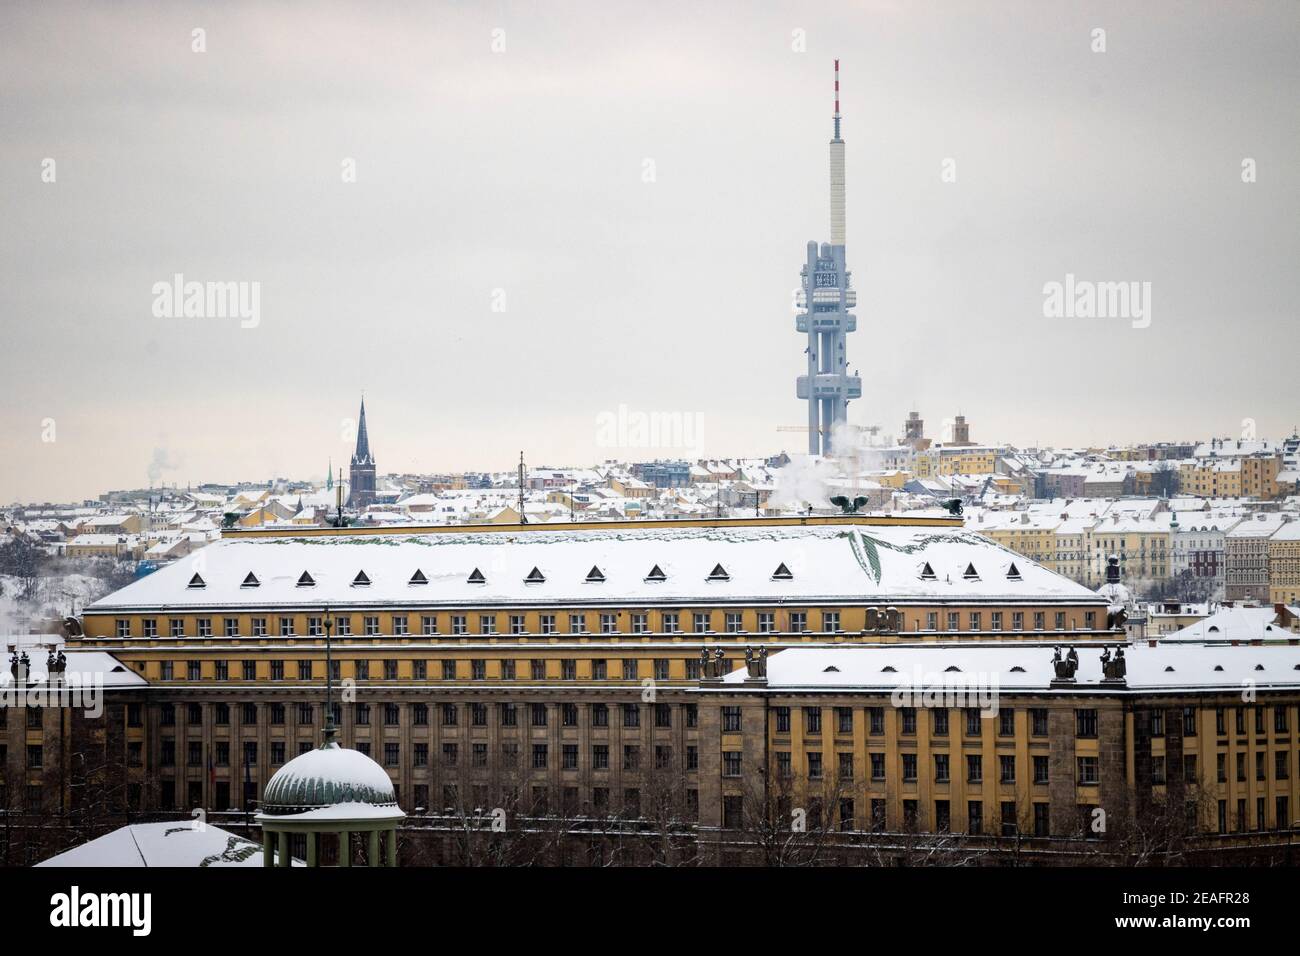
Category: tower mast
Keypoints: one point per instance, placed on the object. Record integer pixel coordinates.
(827, 297)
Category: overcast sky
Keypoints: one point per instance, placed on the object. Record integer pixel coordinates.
(519, 178)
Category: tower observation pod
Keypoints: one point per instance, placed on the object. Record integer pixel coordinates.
(824, 299)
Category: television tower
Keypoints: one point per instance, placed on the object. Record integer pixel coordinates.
(826, 297)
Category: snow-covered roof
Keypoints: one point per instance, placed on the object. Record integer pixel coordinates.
(99, 666)
(1025, 667)
(843, 563)
(330, 782)
(171, 843)
(1237, 624)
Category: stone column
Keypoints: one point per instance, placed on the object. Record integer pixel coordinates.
(312, 839)
(268, 854)
(284, 848)
(392, 847)
(345, 848)
(374, 848)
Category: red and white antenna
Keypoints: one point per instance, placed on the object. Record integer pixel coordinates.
(837, 99)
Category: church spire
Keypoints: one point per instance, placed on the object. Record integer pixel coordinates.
(363, 439)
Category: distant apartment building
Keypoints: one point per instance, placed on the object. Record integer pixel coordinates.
(664, 474)
(1198, 544)
(1143, 545)
(1284, 564)
(1223, 468)
(952, 459)
(1246, 551)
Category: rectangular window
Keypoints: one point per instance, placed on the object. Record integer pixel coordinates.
(459, 624)
(640, 623)
(830, 621)
(343, 625)
(733, 622)
(1088, 775)
(547, 623)
(877, 766)
(941, 768)
(799, 622)
(487, 623)
(577, 624)
(812, 720)
(672, 622)
(517, 624)
(701, 622)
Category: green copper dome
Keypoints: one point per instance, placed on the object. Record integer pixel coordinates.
(325, 777)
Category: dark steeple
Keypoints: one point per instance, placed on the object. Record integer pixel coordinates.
(362, 455)
(362, 492)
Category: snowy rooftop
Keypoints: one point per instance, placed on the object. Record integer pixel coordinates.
(86, 665)
(843, 562)
(1026, 667)
(172, 844)
(1237, 624)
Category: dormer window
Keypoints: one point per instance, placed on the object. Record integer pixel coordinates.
(1013, 573)
(656, 575)
(197, 582)
(831, 670)
(952, 669)
(595, 576)
(782, 573)
(888, 669)
(361, 580)
(970, 574)
(418, 578)
(719, 573)
(251, 581)
(1169, 669)
(305, 580)
(535, 576)
(476, 577)
(1017, 669)
(927, 572)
